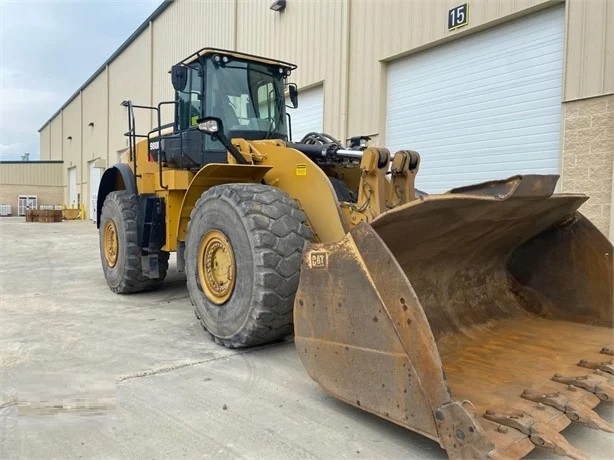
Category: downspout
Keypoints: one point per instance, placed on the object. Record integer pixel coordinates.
(108, 163)
(345, 73)
(152, 116)
(612, 211)
(67, 178)
(82, 206)
(235, 26)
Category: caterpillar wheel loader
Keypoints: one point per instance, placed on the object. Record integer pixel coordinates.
(481, 318)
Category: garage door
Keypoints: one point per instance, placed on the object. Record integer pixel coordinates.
(484, 107)
(72, 188)
(309, 114)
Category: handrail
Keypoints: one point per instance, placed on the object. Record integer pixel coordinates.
(131, 134)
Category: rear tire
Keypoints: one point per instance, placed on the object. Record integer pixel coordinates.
(119, 250)
(243, 257)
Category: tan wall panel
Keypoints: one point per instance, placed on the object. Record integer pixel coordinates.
(184, 28)
(129, 78)
(400, 28)
(46, 195)
(55, 127)
(71, 117)
(31, 173)
(311, 34)
(589, 65)
(44, 139)
(95, 111)
(72, 128)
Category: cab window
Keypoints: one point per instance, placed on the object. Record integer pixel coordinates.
(189, 100)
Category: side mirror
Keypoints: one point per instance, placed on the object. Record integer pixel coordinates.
(210, 125)
(293, 90)
(179, 77)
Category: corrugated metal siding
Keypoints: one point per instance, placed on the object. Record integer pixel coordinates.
(55, 128)
(95, 111)
(129, 78)
(72, 128)
(589, 65)
(184, 28)
(383, 29)
(31, 173)
(329, 40)
(311, 34)
(45, 139)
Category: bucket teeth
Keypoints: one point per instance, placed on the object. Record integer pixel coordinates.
(602, 389)
(576, 411)
(607, 366)
(609, 377)
(538, 432)
(607, 351)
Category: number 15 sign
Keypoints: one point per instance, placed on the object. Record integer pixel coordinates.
(458, 16)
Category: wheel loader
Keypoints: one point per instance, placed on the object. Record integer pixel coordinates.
(481, 318)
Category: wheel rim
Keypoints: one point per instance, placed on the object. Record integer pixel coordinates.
(216, 267)
(110, 243)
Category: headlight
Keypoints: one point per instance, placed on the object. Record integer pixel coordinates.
(209, 126)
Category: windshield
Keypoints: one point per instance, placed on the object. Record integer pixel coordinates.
(248, 97)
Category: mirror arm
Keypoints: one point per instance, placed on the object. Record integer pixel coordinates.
(231, 148)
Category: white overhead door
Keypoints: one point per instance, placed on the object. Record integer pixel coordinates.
(484, 107)
(72, 187)
(95, 175)
(309, 114)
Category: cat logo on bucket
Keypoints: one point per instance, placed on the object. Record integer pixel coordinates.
(318, 259)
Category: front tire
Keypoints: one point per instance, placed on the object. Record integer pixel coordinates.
(243, 256)
(120, 253)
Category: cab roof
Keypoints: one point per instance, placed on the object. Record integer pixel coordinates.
(235, 54)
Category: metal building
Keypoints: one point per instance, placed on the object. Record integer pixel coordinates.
(30, 184)
(482, 89)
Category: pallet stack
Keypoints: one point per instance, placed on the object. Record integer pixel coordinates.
(46, 215)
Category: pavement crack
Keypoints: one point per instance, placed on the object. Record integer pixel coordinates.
(182, 364)
(9, 403)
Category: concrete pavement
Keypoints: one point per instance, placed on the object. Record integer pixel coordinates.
(87, 373)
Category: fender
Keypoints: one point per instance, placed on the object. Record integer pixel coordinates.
(209, 176)
(117, 177)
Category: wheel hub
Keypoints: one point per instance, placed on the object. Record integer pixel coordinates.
(110, 244)
(216, 267)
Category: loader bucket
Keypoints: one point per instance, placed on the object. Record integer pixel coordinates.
(480, 318)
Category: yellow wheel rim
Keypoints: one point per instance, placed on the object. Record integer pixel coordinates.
(109, 240)
(216, 267)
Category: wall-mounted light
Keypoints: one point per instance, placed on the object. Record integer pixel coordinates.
(278, 5)
(91, 123)
(69, 138)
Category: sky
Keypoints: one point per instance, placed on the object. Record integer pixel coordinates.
(48, 49)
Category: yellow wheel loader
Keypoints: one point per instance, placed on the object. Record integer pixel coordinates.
(481, 318)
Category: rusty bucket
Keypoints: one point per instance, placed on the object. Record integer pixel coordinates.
(481, 318)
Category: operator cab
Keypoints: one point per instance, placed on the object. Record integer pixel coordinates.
(246, 92)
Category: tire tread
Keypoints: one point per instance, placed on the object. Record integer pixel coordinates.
(278, 230)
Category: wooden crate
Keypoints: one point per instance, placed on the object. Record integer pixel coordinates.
(44, 216)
